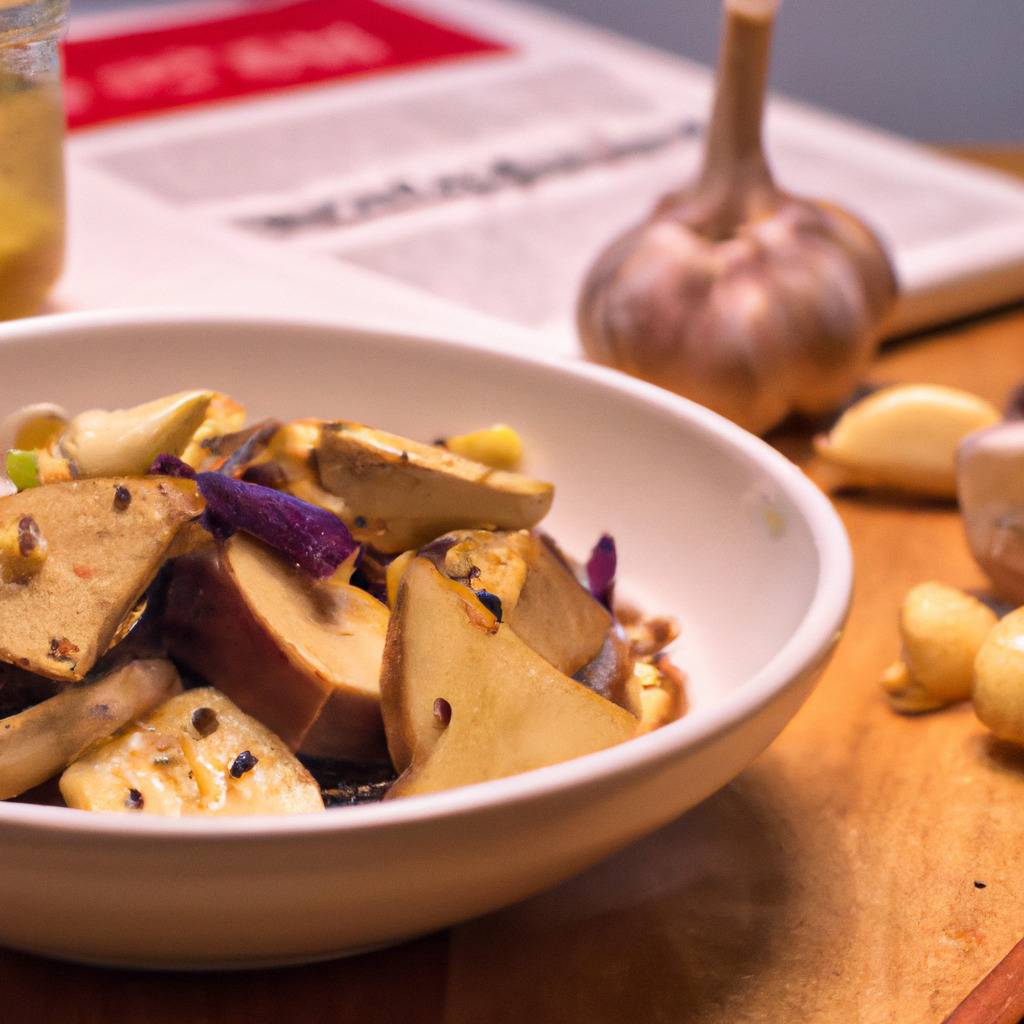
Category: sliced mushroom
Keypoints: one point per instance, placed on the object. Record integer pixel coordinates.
(39, 742)
(540, 597)
(400, 494)
(301, 656)
(465, 700)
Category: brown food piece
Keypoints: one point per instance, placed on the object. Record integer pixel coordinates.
(511, 711)
(541, 599)
(302, 657)
(400, 494)
(672, 683)
(647, 634)
(610, 673)
(39, 742)
(100, 561)
(556, 616)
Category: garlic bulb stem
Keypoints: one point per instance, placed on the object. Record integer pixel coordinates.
(735, 182)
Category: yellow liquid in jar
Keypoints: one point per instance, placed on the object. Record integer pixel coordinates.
(31, 192)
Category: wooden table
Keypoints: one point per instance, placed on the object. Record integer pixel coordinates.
(867, 869)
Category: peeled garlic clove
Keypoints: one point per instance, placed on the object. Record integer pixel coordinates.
(941, 629)
(126, 441)
(904, 438)
(999, 679)
(734, 293)
(990, 486)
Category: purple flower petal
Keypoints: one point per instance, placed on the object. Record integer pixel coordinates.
(601, 566)
(311, 536)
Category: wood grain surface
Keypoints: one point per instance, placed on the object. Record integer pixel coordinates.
(866, 869)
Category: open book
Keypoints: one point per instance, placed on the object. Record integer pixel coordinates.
(447, 166)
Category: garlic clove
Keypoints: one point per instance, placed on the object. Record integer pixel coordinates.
(126, 441)
(990, 487)
(904, 438)
(941, 629)
(999, 679)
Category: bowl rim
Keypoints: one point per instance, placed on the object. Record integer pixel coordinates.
(809, 643)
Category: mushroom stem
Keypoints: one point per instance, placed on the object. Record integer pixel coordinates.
(37, 743)
(735, 182)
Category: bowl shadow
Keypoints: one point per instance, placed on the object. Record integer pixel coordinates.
(674, 928)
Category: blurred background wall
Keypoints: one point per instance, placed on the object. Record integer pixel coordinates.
(937, 70)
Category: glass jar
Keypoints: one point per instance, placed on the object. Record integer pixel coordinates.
(31, 152)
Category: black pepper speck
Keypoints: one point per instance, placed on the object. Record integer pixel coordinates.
(979, 885)
(29, 536)
(245, 762)
(122, 498)
(490, 601)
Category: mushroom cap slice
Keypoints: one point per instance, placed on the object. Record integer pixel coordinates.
(465, 700)
(300, 655)
(542, 600)
(400, 494)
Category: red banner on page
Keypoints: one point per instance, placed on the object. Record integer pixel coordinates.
(265, 49)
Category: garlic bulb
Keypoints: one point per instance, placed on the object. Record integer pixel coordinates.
(732, 292)
(990, 487)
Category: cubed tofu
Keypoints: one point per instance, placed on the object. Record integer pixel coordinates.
(197, 754)
(105, 541)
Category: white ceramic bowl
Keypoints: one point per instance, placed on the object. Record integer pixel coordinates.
(713, 526)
